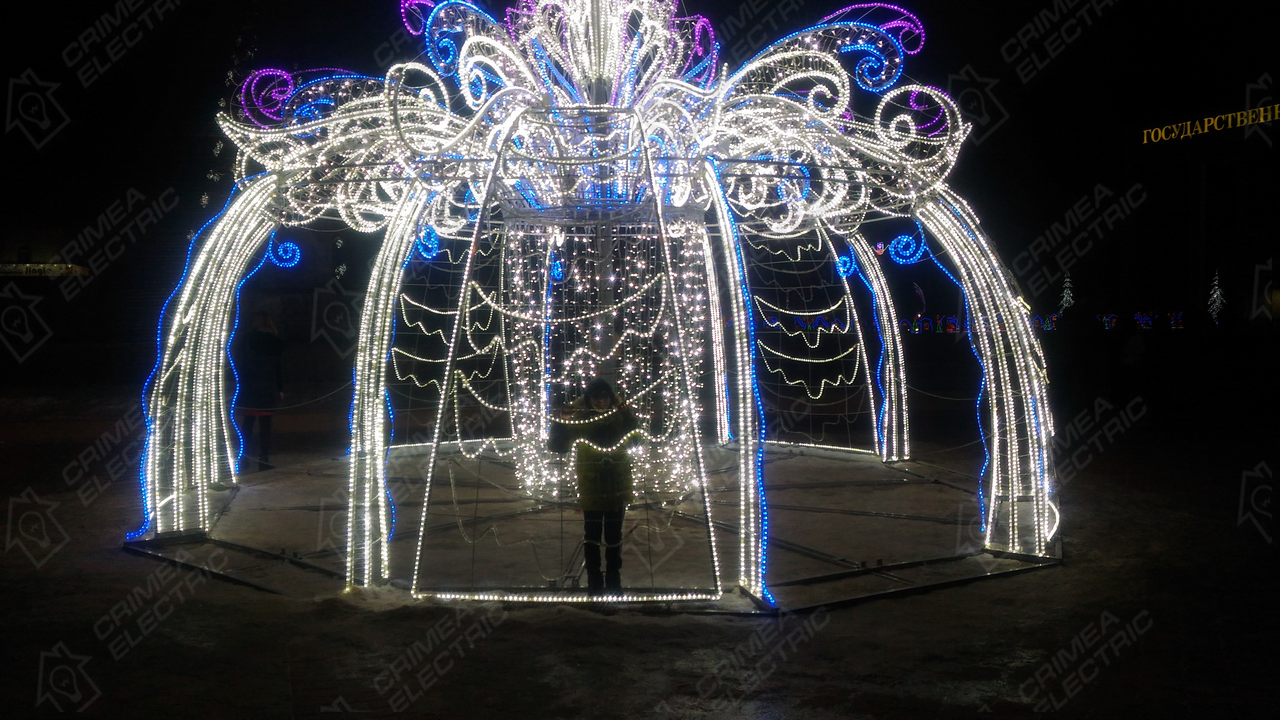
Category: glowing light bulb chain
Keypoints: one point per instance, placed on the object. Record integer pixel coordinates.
(517, 145)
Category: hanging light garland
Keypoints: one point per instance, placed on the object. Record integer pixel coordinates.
(607, 198)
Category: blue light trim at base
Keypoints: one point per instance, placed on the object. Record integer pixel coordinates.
(196, 239)
(755, 388)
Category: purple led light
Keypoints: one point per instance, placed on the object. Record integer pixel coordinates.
(414, 14)
(264, 94)
(892, 19)
(703, 49)
(939, 118)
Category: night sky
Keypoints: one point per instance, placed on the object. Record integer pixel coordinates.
(1059, 93)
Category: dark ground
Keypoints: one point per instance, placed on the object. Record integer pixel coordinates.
(1153, 540)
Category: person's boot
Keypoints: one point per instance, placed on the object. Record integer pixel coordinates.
(595, 582)
(613, 580)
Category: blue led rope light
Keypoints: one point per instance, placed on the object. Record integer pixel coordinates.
(875, 317)
(982, 385)
(755, 387)
(196, 239)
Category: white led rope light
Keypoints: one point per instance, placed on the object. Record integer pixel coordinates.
(555, 168)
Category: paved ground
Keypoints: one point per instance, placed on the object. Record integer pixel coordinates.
(1165, 606)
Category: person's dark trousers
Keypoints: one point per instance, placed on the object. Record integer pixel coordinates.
(264, 438)
(606, 525)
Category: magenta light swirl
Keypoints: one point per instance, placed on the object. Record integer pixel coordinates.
(905, 26)
(936, 120)
(264, 93)
(416, 9)
(701, 27)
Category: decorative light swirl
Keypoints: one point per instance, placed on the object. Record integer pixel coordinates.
(585, 114)
(263, 95)
(286, 254)
(908, 249)
(414, 14)
(904, 26)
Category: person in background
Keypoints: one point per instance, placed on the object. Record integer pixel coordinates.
(257, 355)
(603, 428)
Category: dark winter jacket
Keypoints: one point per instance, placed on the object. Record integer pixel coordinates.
(604, 478)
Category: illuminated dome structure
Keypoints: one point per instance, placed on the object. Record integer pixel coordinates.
(581, 189)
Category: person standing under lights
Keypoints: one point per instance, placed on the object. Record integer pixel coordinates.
(603, 428)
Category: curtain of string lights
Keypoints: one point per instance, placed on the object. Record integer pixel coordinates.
(581, 190)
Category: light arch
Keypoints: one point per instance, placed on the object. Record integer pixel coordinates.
(768, 155)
